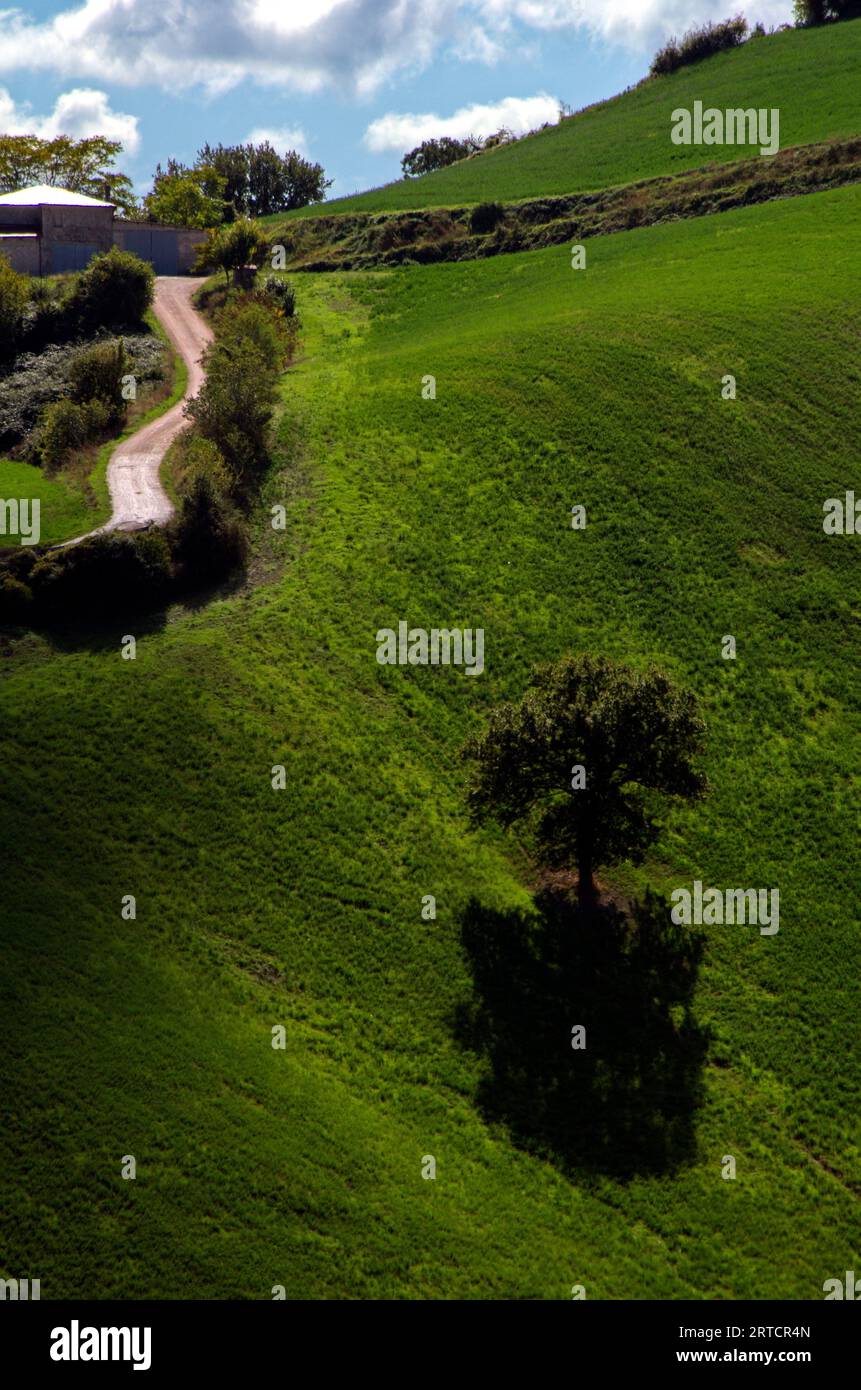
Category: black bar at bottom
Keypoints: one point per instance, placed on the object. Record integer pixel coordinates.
(161, 1339)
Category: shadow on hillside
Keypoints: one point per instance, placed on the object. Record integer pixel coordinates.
(101, 633)
(623, 1105)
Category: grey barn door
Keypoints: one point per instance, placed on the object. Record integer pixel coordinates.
(165, 252)
(67, 256)
(156, 245)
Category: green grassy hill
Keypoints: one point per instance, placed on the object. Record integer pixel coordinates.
(302, 907)
(812, 77)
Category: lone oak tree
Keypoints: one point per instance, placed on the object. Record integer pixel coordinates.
(634, 735)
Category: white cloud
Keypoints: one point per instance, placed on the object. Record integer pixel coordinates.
(305, 46)
(281, 138)
(298, 17)
(82, 111)
(475, 44)
(312, 45)
(518, 114)
(638, 24)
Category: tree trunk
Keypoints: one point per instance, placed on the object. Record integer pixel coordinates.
(587, 892)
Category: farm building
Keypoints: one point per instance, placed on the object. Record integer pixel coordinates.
(49, 231)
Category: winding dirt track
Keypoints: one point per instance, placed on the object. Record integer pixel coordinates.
(137, 495)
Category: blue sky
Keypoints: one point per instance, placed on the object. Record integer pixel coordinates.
(353, 83)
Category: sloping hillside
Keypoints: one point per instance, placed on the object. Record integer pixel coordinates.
(812, 77)
(302, 907)
(375, 240)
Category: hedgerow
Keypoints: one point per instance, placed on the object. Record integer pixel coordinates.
(697, 44)
(234, 406)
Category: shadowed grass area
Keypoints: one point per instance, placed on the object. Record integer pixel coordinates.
(620, 1098)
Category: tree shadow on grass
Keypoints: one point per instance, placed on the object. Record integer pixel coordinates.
(625, 1103)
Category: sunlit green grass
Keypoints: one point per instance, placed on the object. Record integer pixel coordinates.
(257, 907)
(811, 77)
(63, 503)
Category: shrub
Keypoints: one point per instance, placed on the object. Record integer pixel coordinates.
(64, 428)
(116, 288)
(697, 44)
(234, 406)
(503, 136)
(51, 316)
(41, 293)
(35, 382)
(248, 322)
(19, 562)
(666, 60)
(68, 425)
(194, 457)
(107, 574)
(98, 418)
(97, 374)
(485, 217)
(207, 537)
(809, 13)
(282, 295)
(16, 601)
(437, 154)
(14, 297)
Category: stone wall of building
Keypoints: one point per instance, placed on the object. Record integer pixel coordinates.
(88, 226)
(90, 229)
(22, 252)
(55, 239)
(189, 240)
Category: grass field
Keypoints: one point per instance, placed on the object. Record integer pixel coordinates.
(810, 76)
(65, 506)
(302, 907)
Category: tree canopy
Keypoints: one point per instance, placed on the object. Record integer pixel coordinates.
(582, 760)
(83, 166)
(230, 247)
(185, 197)
(260, 181)
(231, 181)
